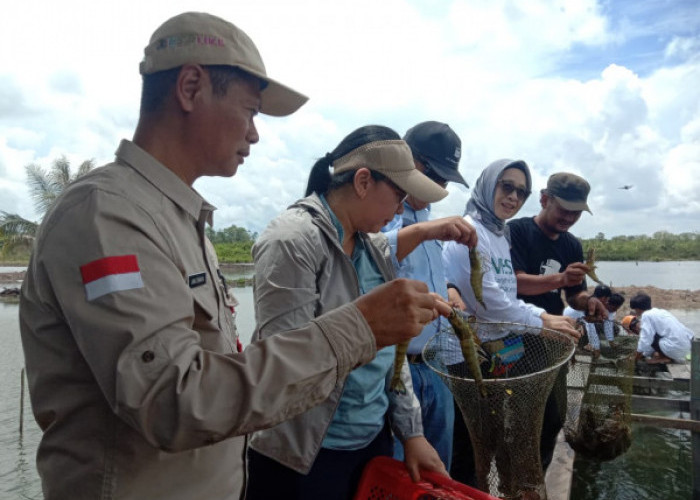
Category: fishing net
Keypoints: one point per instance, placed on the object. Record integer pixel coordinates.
(598, 423)
(504, 412)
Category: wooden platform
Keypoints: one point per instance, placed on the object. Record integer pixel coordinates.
(679, 371)
(681, 377)
(560, 472)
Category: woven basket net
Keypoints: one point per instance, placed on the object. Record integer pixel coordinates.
(598, 423)
(504, 413)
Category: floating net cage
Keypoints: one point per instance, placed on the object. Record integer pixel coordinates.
(599, 382)
(504, 411)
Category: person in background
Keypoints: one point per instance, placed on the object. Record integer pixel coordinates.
(499, 193)
(631, 324)
(436, 150)
(592, 340)
(548, 259)
(317, 256)
(614, 303)
(662, 338)
(128, 336)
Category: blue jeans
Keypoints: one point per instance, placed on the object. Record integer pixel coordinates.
(437, 410)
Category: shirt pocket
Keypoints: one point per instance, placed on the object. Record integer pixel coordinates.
(205, 304)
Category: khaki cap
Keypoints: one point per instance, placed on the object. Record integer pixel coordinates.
(570, 190)
(200, 38)
(393, 159)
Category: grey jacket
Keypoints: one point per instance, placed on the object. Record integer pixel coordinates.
(140, 392)
(302, 272)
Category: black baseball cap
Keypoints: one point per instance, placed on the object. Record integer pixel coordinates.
(438, 147)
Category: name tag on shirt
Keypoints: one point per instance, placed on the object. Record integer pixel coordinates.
(198, 279)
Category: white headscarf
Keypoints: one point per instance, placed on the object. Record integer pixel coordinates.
(480, 206)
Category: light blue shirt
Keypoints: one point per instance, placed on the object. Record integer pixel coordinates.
(362, 408)
(424, 263)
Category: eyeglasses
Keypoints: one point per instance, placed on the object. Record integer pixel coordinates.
(508, 187)
(400, 193)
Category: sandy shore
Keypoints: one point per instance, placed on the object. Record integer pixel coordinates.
(665, 299)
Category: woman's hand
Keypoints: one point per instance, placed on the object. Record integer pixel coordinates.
(453, 228)
(562, 324)
(419, 454)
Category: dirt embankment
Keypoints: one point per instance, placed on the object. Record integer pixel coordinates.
(665, 299)
(10, 279)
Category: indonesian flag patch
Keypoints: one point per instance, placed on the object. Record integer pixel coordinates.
(111, 274)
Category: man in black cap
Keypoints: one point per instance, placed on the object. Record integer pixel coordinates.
(547, 259)
(436, 152)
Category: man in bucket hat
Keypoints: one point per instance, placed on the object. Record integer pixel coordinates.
(129, 341)
(547, 259)
(417, 238)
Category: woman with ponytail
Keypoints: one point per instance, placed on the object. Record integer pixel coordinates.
(317, 256)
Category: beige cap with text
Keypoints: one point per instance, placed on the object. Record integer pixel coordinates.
(200, 38)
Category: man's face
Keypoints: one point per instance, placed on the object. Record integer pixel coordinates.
(227, 129)
(415, 203)
(555, 218)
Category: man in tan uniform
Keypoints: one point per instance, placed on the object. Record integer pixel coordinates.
(129, 342)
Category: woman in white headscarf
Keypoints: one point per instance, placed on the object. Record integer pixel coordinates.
(499, 193)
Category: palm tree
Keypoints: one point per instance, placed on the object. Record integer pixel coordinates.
(44, 188)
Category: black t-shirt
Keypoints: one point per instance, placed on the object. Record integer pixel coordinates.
(534, 253)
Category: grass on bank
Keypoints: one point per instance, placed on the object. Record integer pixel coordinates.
(661, 246)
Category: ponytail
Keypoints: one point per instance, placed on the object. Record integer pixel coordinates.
(320, 176)
(320, 179)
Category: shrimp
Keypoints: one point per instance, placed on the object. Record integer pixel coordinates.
(397, 385)
(476, 278)
(468, 341)
(590, 263)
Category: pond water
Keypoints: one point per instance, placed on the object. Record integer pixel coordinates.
(675, 275)
(656, 466)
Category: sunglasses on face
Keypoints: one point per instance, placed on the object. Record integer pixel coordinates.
(508, 187)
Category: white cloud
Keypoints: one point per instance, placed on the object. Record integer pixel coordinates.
(493, 70)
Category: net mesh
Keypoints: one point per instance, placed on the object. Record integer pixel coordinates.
(504, 412)
(599, 395)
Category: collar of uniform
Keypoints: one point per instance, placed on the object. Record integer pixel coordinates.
(411, 215)
(336, 222)
(164, 180)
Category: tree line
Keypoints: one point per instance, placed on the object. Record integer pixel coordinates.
(232, 244)
(662, 245)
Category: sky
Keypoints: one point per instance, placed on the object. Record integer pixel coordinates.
(609, 90)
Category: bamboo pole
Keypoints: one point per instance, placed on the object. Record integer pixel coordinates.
(667, 422)
(21, 402)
